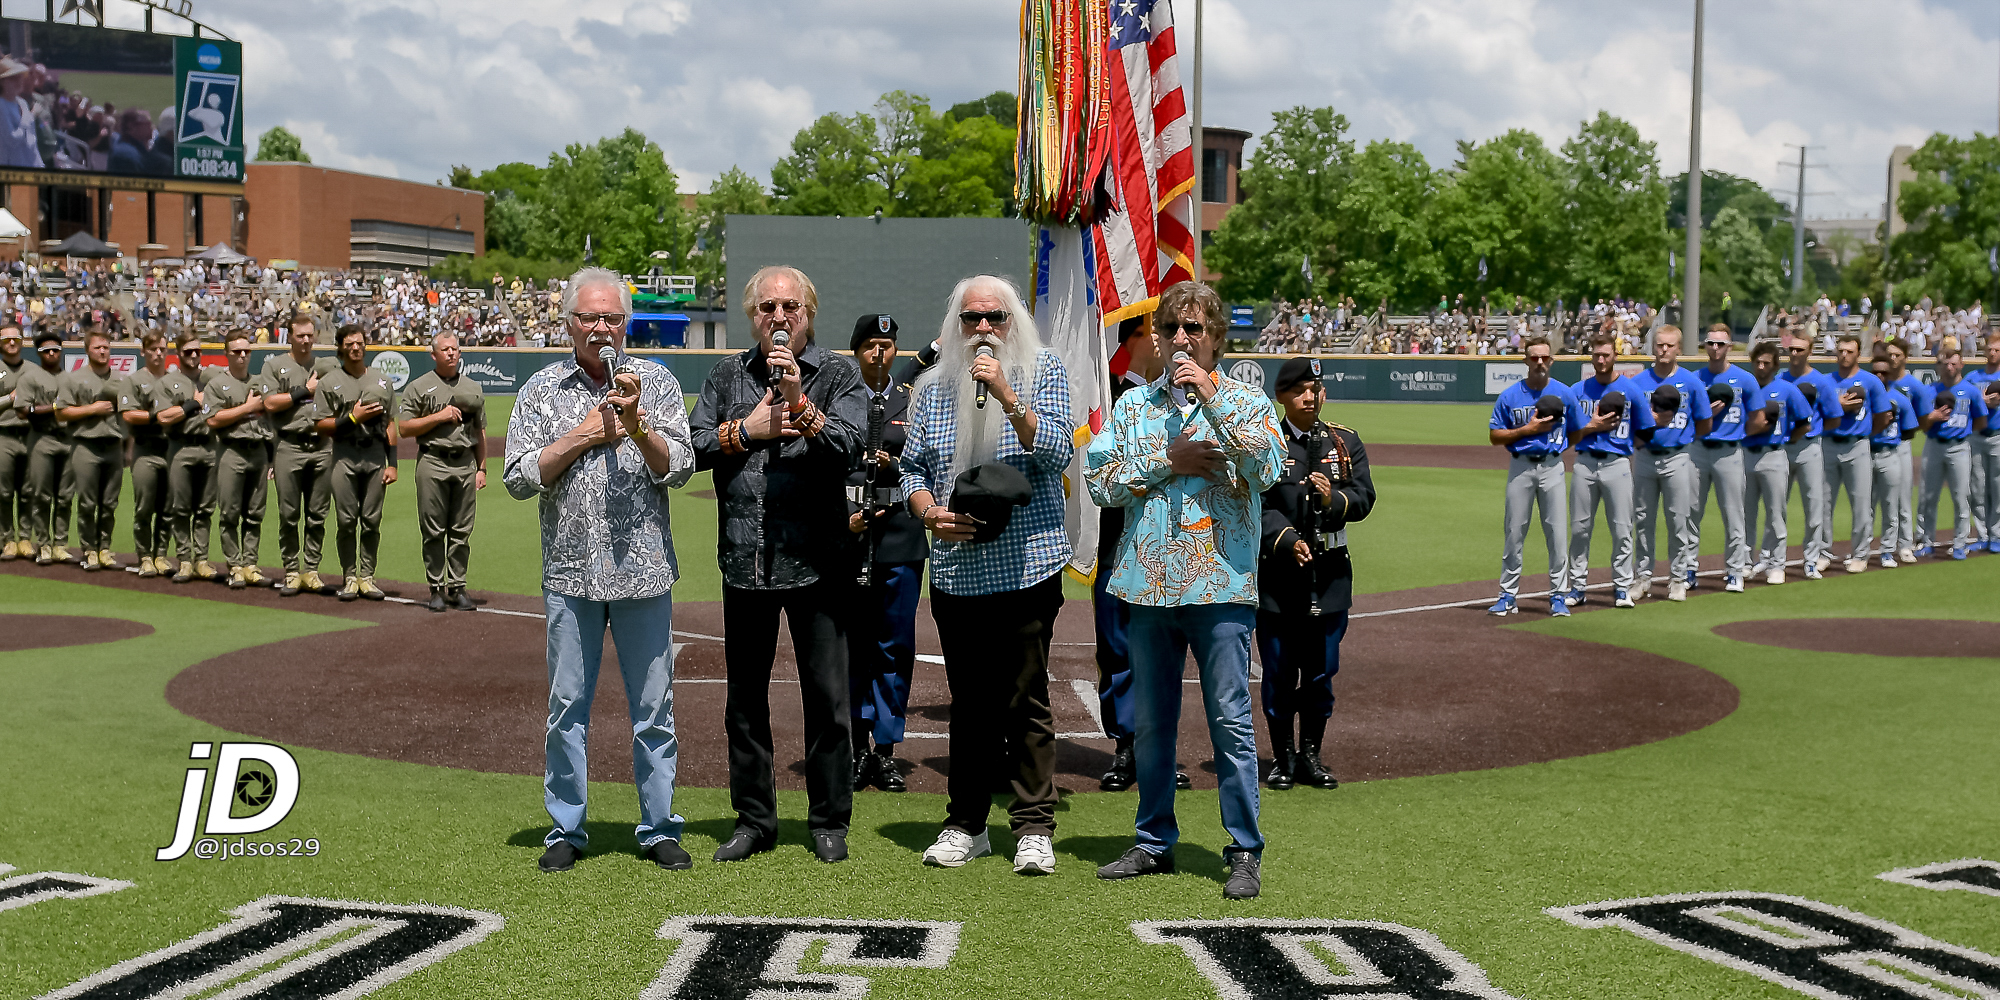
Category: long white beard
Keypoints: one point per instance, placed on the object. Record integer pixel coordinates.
(978, 435)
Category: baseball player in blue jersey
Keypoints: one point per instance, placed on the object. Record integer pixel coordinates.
(1954, 410)
(1663, 476)
(1864, 410)
(1779, 416)
(1718, 459)
(1532, 420)
(1900, 380)
(1807, 455)
(1611, 410)
(1986, 451)
(1886, 463)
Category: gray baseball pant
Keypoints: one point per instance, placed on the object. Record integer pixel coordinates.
(1946, 464)
(1809, 475)
(1608, 479)
(1906, 521)
(1886, 481)
(1766, 480)
(1849, 464)
(1660, 482)
(1986, 485)
(1531, 484)
(1721, 470)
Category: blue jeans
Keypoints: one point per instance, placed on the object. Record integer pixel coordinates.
(882, 653)
(1114, 660)
(644, 632)
(1220, 636)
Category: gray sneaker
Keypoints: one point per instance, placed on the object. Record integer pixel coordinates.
(1245, 876)
(1135, 862)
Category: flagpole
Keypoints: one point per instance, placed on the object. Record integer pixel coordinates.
(1691, 294)
(1199, 153)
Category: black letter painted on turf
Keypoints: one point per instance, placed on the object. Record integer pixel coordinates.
(26, 890)
(1287, 959)
(1813, 947)
(393, 942)
(1970, 874)
(734, 958)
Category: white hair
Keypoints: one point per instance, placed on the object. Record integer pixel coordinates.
(591, 277)
(978, 429)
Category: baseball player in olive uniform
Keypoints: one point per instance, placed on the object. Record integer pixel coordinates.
(1953, 410)
(445, 410)
(1533, 419)
(50, 488)
(14, 431)
(236, 413)
(191, 460)
(89, 405)
(303, 458)
(353, 404)
(1305, 581)
(138, 398)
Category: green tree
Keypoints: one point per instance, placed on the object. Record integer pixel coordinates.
(831, 169)
(514, 212)
(734, 192)
(1290, 209)
(1617, 210)
(1735, 259)
(278, 144)
(998, 105)
(967, 169)
(902, 160)
(1503, 202)
(1953, 208)
(619, 192)
(1385, 247)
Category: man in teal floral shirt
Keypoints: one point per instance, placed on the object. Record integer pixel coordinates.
(1189, 458)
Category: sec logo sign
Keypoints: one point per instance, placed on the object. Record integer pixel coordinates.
(1248, 371)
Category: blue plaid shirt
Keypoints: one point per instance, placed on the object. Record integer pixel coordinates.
(1035, 545)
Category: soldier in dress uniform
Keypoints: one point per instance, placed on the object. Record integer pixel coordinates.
(191, 459)
(137, 401)
(353, 403)
(1305, 582)
(445, 410)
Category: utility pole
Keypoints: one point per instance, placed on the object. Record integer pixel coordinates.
(1199, 153)
(1691, 288)
(1799, 229)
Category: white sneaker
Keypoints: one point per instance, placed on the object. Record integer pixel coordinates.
(1888, 561)
(1775, 577)
(1856, 565)
(1035, 854)
(1822, 563)
(1762, 567)
(1677, 591)
(956, 847)
(1906, 555)
(1733, 584)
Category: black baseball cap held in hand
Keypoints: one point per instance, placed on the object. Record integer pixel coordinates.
(1550, 405)
(1721, 392)
(1613, 402)
(1667, 396)
(990, 493)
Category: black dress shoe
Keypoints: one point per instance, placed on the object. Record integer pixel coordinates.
(864, 769)
(1279, 777)
(668, 854)
(1181, 780)
(1246, 876)
(1124, 769)
(830, 847)
(460, 602)
(1136, 862)
(742, 844)
(437, 601)
(560, 857)
(888, 777)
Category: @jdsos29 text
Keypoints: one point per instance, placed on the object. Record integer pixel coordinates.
(251, 788)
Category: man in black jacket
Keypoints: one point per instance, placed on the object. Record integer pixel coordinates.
(780, 425)
(882, 635)
(1305, 582)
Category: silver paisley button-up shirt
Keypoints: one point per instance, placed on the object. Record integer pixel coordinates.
(606, 532)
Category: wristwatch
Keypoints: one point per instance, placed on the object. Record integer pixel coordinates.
(1019, 409)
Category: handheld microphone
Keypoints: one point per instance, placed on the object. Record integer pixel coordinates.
(979, 398)
(779, 338)
(1180, 356)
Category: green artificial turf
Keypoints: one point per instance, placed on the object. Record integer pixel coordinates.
(1834, 768)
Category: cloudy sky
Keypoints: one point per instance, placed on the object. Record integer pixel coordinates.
(410, 88)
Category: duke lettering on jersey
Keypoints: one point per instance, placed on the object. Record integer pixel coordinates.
(737, 958)
(1314, 959)
(1813, 947)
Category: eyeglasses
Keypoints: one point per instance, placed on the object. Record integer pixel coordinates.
(769, 306)
(971, 317)
(587, 320)
(1171, 329)
(238, 354)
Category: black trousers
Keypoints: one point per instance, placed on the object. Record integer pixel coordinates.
(1301, 654)
(818, 622)
(996, 662)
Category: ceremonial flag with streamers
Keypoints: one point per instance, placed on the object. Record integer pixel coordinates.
(1145, 240)
(1066, 309)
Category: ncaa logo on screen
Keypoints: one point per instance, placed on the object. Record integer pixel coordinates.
(1248, 371)
(391, 363)
(208, 56)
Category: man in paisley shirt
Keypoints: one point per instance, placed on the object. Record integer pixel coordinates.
(1189, 458)
(601, 448)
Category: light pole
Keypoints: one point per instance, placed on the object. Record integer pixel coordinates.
(1691, 289)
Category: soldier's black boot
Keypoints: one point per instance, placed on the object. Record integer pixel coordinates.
(1279, 777)
(1308, 769)
(1124, 768)
(887, 776)
(864, 765)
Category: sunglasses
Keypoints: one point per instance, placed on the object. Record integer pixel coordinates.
(972, 317)
(1172, 329)
(48, 350)
(586, 320)
(769, 306)
(238, 354)
(1716, 343)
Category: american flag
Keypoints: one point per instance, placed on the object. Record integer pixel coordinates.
(1143, 238)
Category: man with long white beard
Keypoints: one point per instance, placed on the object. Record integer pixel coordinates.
(990, 429)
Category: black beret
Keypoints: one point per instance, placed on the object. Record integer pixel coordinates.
(1613, 402)
(1721, 392)
(1550, 405)
(1296, 370)
(1666, 396)
(990, 493)
(870, 327)
(1809, 391)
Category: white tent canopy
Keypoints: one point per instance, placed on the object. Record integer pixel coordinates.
(10, 226)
